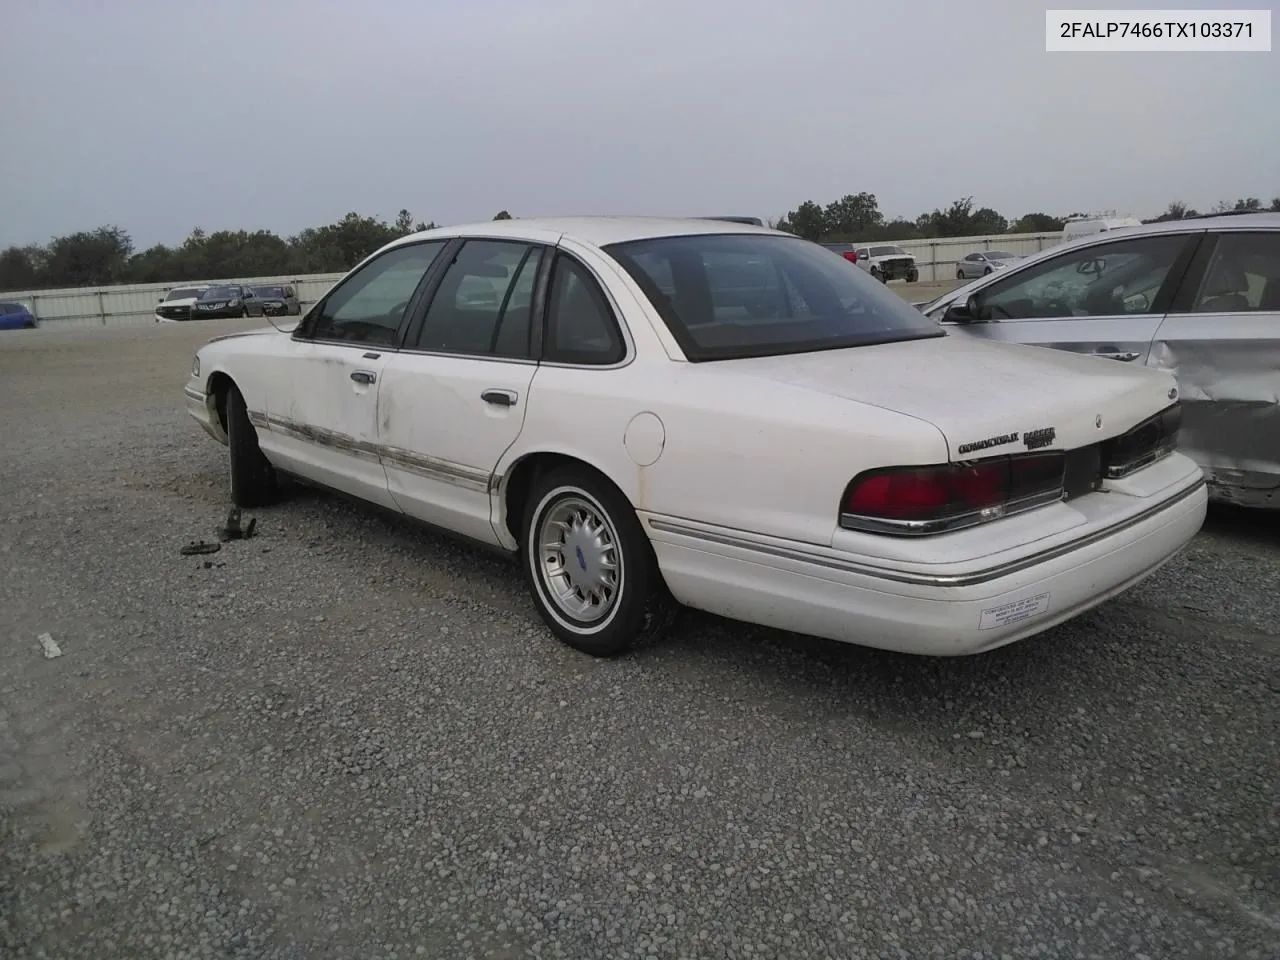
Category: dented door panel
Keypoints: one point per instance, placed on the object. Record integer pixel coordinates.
(1228, 370)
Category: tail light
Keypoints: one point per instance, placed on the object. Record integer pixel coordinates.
(1149, 441)
(910, 501)
(850, 255)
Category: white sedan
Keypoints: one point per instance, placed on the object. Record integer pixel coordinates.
(654, 412)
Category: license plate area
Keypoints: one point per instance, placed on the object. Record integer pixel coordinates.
(1083, 471)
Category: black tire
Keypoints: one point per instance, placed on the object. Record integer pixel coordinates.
(959, 274)
(986, 271)
(875, 275)
(640, 609)
(253, 479)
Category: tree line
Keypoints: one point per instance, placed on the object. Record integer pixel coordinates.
(857, 218)
(106, 255)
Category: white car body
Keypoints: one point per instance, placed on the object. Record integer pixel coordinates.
(186, 304)
(1087, 227)
(736, 469)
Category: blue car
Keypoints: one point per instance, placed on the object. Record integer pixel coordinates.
(16, 316)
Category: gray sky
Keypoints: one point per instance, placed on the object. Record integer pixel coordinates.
(280, 114)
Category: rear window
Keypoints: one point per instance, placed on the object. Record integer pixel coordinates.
(729, 296)
(269, 292)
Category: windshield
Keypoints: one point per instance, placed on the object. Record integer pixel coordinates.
(998, 255)
(728, 296)
(221, 293)
(182, 293)
(889, 251)
(268, 292)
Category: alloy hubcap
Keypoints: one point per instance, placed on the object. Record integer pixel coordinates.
(579, 562)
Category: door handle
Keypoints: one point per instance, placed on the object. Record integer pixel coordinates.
(501, 398)
(1119, 356)
(364, 376)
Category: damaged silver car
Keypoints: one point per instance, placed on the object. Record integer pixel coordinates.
(1199, 298)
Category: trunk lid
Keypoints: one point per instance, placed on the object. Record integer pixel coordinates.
(984, 396)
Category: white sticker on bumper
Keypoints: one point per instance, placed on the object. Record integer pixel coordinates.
(1014, 612)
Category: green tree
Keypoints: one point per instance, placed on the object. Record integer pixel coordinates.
(808, 220)
(1038, 223)
(89, 257)
(961, 220)
(852, 217)
(502, 215)
(21, 268)
(404, 222)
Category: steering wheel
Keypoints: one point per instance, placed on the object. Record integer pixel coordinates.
(399, 309)
(1092, 267)
(993, 307)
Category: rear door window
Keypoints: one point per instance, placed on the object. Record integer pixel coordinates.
(1243, 275)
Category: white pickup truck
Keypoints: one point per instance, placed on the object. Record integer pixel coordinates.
(884, 261)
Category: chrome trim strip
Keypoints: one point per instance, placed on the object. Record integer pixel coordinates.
(328, 438)
(803, 553)
(922, 528)
(194, 394)
(434, 468)
(1122, 470)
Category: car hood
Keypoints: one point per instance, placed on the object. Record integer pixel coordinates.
(980, 392)
(181, 302)
(893, 256)
(251, 333)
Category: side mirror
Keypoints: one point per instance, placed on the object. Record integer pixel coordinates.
(962, 312)
(161, 300)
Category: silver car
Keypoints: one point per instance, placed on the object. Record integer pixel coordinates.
(1199, 298)
(987, 261)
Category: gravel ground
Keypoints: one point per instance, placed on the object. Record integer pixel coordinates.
(349, 738)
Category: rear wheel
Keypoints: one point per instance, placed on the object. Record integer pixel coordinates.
(875, 275)
(591, 569)
(959, 274)
(253, 479)
(986, 271)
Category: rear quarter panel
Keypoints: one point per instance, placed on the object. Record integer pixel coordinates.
(770, 459)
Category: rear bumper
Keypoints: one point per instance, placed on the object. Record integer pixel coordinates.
(969, 608)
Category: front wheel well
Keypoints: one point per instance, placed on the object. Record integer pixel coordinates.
(219, 386)
(520, 480)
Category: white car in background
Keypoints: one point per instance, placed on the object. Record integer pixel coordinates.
(650, 412)
(984, 262)
(176, 305)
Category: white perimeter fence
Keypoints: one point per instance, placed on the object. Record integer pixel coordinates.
(134, 304)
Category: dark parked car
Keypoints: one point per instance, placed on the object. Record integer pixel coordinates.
(16, 316)
(274, 300)
(224, 300)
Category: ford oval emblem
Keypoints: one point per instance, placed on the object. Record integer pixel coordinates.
(1173, 393)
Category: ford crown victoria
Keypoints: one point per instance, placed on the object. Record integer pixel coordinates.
(652, 412)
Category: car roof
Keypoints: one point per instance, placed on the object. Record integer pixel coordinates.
(1225, 221)
(597, 231)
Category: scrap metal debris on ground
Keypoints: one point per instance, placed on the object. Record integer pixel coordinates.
(233, 529)
(236, 528)
(50, 647)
